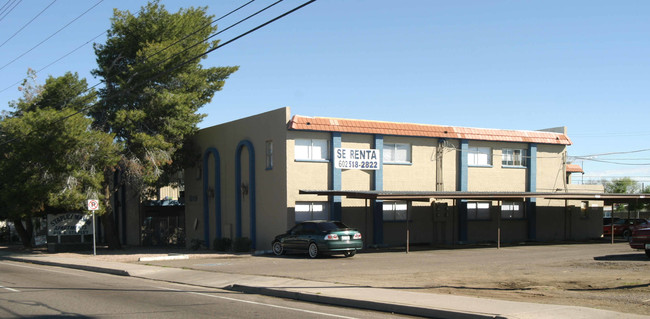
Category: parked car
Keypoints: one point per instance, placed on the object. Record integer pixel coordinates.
(609, 220)
(623, 227)
(640, 239)
(318, 237)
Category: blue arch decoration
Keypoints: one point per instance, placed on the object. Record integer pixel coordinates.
(251, 187)
(217, 194)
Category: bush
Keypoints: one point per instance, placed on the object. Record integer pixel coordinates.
(222, 244)
(241, 244)
(195, 244)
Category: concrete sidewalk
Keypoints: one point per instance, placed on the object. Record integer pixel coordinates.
(388, 300)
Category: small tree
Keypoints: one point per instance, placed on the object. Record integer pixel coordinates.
(49, 153)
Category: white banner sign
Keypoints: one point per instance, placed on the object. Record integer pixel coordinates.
(350, 158)
(69, 224)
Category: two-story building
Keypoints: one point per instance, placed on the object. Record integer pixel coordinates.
(251, 172)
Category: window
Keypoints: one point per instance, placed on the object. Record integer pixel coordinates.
(478, 210)
(394, 211)
(513, 157)
(311, 150)
(269, 155)
(479, 156)
(311, 211)
(397, 153)
(512, 210)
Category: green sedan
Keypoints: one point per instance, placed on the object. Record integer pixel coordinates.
(318, 237)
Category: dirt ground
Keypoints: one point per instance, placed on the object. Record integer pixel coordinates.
(598, 275)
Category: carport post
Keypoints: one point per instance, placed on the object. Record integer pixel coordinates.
(612, 222)
(499, 224)
(409, 203)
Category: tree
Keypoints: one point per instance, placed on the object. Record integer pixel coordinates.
(625, 185)
(49, 152)
(153, 90)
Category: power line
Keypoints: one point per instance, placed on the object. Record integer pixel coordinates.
(26, 24)
(55, 61)
(215, 34)
(199, 29)
(613, 153)
(8, 9)
(123, 92)
(53, 34)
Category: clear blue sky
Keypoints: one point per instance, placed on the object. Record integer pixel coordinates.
(522, 65)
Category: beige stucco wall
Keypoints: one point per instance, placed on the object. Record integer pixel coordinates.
(550, 168)
(497, 178)
(270, 185)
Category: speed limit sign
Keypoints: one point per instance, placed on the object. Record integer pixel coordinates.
(93, 204)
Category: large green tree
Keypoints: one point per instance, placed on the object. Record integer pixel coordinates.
(153, 88)
(50, 154)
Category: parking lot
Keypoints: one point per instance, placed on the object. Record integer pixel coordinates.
(598, 275)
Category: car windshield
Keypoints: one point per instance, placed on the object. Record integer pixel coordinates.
(327, 226)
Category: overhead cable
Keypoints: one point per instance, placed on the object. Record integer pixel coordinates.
(53, 34)
(26, 24)
(8, 8)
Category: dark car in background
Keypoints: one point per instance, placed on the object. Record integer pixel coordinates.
(623, 227)
(640, 238)
(317, 237)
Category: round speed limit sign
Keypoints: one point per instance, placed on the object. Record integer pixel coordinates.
(93, 204)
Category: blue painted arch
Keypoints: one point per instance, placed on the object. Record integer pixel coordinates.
(216, 196)
(251, 192)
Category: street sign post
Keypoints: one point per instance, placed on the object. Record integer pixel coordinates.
(93, 205)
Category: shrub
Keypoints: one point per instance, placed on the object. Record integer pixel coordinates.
(195, 244)
(241, 244)
(222, 244)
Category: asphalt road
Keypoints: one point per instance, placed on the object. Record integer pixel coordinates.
(32, 291)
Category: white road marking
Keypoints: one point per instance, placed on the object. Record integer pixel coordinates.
(259, 303)
(10, 289)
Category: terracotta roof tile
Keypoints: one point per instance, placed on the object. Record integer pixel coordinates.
(573, 168)
(302, 123)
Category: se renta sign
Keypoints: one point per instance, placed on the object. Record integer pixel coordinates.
(350, 158)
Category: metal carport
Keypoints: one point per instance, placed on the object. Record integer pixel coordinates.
(410, 196)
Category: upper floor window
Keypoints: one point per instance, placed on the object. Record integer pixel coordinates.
(397, 153)
(479, 156)
(513, 157)
(512, 210)
(311, 150)
(394, 211)
(478, 210)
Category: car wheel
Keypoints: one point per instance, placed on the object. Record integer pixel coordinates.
(313, 250)
(278, 250)
(647, 252)
(626, 234)
(350, 253)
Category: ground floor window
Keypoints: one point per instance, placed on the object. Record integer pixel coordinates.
(512, 210)
(478, 210)
(394, 211)
(311, 211)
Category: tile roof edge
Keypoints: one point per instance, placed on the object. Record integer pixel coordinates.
(455, 129)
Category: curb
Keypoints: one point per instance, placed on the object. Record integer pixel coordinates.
(361, 304)
(111, 271)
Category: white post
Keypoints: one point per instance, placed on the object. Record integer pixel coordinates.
(94, 236)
